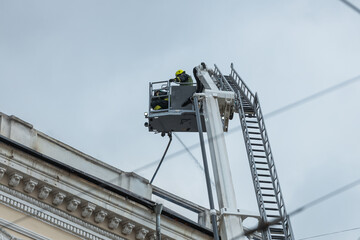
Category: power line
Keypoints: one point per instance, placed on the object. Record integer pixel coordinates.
(271, 114)
(268, 115)
(198, 164)
(332, 233)
(312, 97)
(352, 6)
(264, 226)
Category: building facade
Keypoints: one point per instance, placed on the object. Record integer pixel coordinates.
(49, 190)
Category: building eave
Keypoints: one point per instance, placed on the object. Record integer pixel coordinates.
(104, 184)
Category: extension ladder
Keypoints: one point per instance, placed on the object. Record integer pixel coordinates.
(266, 182)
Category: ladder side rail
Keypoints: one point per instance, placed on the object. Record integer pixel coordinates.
(274, 176)
(169, 92)
(275, 180)
(262, 211)
(150, 96)
(225, 84)
(217, 73)
(246, 90)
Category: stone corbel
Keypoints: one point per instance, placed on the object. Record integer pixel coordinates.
(14, 179)
(152, 236)
(72, 204)
(30, 185)
(44, 192)
(141, 233)
(114, 222)
(87, 210)
(2, 172)
(58, 198)
(127, 228)
(100, 216)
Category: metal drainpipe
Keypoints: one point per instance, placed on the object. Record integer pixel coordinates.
(158, 209)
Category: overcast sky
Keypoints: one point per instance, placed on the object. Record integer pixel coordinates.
(79, 72)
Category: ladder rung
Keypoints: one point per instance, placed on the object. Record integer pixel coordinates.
(254, 133)
(264, 175)
(273, 216)
(270, 202)
(278, 237)
(260, 162)
(256, 144)
(252, 138)
(258, 156)
(278, 223)
(264, 181)
(263, 169)
(272, 209)
(268, 195)
(252, 127)
(267, 188)
(258, 150)
(249, 121)
(276, 230)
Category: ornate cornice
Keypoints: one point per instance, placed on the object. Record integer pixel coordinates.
(91, 212)
(52, 216)
(75, 206)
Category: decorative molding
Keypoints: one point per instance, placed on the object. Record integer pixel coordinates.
(137, 218)
(44, 192)
(127, 228)
(100, 216)
(14, 179)
(58, 198)
(72, 204)
(87, 210)
(141, 233)
(30, 185)
(18, 229)
(152, 236)
(114, 222)
(2, 172)
(53, 216)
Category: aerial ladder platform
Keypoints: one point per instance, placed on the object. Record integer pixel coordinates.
(264, 175)
(212, 108)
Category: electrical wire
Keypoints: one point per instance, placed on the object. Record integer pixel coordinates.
(352, 6)
(313, 96)
(271, 114)
(327, 196)
(332, 233)
(198, 164)
(267, 116)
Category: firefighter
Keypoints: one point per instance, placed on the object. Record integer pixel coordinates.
(158, 102)
(182, 78)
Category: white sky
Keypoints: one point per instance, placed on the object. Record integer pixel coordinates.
(79, 72)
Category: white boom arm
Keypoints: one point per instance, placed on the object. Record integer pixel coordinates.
(217, 106)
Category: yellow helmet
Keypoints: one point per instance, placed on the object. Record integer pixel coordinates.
(179, 72)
